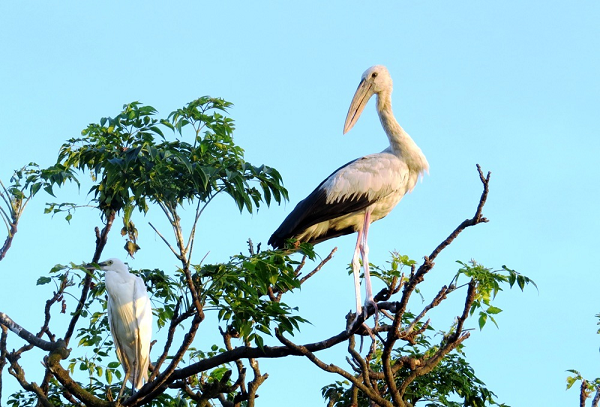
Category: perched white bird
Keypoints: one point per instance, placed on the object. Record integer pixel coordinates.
(130, 320)
(363, 190)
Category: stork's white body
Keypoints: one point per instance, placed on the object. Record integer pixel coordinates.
(379, 180)
(364, 190)
(130, 320)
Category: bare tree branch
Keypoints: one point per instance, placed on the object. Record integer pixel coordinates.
(16, 370)
(303, 350)
(3, 353)
(476, 219)
(256, 382)
(53, 364)
(596, 398)
(583, 393)
(30, 338)
(11, 219)
(8, 241)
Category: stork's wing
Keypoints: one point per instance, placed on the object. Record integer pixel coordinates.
(349, 189)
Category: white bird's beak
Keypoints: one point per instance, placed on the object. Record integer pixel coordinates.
(359, 101)
(94, 266)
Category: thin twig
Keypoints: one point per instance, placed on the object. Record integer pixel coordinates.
(476, 219)
(175, 320)
(364, 367)
(441, 295)
(190, 246)
(164, 240)
(319, 266)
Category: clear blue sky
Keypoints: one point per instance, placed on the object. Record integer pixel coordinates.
(512, 85)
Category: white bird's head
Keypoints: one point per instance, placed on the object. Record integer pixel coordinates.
(375, 80)
(114, 265)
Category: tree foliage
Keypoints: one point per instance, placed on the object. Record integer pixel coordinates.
(137, 163)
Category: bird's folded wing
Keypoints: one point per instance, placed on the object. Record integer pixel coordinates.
(349, 189)
(144, 320)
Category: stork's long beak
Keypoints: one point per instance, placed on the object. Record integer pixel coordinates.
(359, 101)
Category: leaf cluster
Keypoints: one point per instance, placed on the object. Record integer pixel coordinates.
(239, 290)
(133, 164)
(488, 285)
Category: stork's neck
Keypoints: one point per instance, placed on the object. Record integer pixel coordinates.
(401, 143)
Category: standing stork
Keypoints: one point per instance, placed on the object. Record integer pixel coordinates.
(362, 191)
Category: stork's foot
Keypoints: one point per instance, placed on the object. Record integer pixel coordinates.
(368, 309)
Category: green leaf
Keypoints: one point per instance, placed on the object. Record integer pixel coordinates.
(258, 340)
(494, 321)
(48, 189)
(493, 310)
(43, 280)
(35, 188)
(521, 282)
(571, 381)
(217, 374)
(482, 319)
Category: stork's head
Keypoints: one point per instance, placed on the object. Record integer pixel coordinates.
(375, 80)
(114, 265)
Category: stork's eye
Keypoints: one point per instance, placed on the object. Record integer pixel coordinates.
(374, 75)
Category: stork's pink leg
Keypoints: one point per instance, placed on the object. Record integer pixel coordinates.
(356, 271)
(364, 250)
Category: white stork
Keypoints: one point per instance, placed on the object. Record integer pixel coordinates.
(363, 190)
